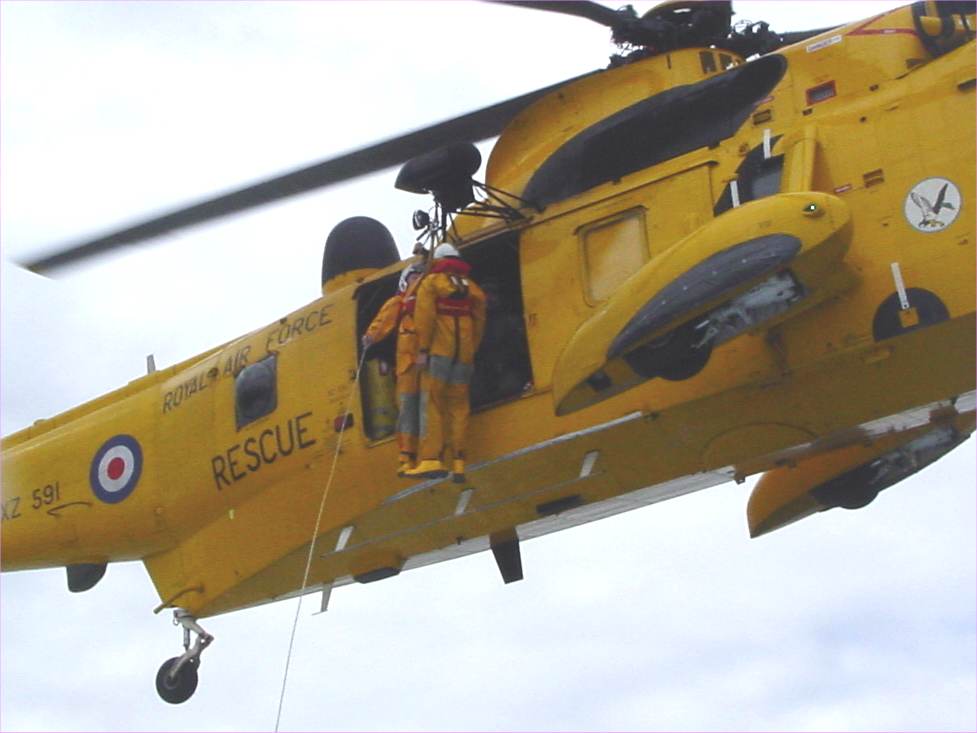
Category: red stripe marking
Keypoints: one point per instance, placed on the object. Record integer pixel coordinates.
(862, 30)
(883, 32)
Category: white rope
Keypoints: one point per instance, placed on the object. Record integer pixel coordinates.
(315, 534)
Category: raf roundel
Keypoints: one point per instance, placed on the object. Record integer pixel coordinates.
(116, 468)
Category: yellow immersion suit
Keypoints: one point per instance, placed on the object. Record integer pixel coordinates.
(398, 312)
(450, 320)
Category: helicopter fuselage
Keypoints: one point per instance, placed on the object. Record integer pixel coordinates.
(649, 168)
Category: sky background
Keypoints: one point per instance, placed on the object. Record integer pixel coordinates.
(665, 618)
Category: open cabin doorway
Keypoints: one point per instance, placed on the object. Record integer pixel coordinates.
(503, 371)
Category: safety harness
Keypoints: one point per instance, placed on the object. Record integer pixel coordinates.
(458, 303)
(407, 303)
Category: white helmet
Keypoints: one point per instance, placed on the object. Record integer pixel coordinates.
(445, 250)
(414, 269)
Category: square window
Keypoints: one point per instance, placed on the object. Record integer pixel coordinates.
(613, 250)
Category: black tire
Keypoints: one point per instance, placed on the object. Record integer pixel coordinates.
(672, 357)
(853, 489)
(180, 688)
(858, 498)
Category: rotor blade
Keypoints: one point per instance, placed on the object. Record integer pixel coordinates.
(471, 127)
(580, 8)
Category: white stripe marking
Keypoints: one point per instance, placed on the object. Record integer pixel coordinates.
(900, 286)
(463, 498)
(734, 192)
(588, 463)
(766, 144)
(344, 538)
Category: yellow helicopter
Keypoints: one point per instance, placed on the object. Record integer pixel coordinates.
(592, 386)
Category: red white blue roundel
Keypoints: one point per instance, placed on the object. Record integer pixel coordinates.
(116, 468)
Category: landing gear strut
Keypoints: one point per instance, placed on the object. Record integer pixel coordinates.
(177, 677)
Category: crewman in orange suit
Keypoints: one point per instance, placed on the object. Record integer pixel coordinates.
(398, 313)
(450, 319)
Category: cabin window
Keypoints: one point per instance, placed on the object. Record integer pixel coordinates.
(256, 391)
(765, 181)
(613, 249)
(656, 129)
(757, 177)
(708, 62)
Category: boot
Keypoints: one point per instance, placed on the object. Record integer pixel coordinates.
(458, 471)
(406, 462)
(426, 469)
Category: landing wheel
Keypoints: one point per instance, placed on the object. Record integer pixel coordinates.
(853, 489)
(859, 498)
(673, 356)
(177, 688)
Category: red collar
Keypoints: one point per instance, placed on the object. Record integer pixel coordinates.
(452, 265)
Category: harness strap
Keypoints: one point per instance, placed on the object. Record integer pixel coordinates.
(456, 307)
(407, 305)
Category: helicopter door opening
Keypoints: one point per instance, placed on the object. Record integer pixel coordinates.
(502, 367)
(377, 376)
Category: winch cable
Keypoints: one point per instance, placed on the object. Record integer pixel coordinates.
(315, 534)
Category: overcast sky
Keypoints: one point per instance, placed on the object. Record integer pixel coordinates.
(666, 618)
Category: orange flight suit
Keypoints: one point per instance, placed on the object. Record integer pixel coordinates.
(450, 320)
(398, 312)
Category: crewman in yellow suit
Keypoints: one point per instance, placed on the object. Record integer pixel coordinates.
(450, 319)
(398, 312)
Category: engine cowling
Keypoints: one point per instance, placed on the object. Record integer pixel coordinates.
(355, 245)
